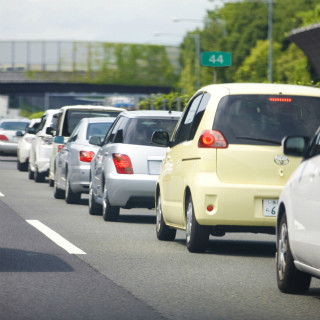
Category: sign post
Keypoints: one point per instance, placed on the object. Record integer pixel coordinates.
(215, 59)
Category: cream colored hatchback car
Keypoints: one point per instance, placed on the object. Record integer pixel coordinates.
(224, 168)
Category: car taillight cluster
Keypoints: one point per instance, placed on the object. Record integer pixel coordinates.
(3, 137)
(122, 163)
(212, 139)
(86, 156)
(60, 147)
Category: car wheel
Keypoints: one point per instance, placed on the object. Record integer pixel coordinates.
(109, 212)
(71, 197)
(30, 173)
(163, 231)
(57, 192)
(38, 176)
(51, 183)
(197, 236)
(289, 278)
(22, 166)
(94, 208)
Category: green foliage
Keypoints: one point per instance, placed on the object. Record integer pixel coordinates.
(241, 28)
(171, 101)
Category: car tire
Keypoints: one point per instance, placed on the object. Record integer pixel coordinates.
(71, 197)
(57, 192)
(51, 183)
(162, 230)
(94, 207)
(289, 278)
(197, 236)
(22, 166)
(38, 176)
(30, 173)
(109, 212)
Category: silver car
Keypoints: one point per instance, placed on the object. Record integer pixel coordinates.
(72, 163)
(11, 131)
(125, 170)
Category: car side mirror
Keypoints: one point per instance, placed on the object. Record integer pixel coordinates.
(19, 133)
(160, 138)
(295, 146)
(95, 140)
(31, 130)
(58, 139)
(50, 131)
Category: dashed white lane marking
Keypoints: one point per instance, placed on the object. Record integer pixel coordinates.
(1, 194)
(55, 237)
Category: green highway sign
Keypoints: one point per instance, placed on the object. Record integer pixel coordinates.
(216, 59)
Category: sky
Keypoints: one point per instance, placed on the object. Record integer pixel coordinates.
(124, 21)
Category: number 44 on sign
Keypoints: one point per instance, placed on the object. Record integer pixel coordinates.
(216, 59)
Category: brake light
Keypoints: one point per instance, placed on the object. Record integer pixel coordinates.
(212, 139)
(3, 137)
(122, 163)
(60, 146)
(277, 99)
(86, 156)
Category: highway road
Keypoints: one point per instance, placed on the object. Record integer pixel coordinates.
(58, 262)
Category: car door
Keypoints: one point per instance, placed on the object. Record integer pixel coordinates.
(179, 161)
(103, 153)
(306, 207)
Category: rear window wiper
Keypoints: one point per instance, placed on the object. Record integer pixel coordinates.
(262, 140)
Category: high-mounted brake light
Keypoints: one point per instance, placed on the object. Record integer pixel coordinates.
(3, 137)
(212, 139)
(122, 163)
(278, 99)
(86, 156)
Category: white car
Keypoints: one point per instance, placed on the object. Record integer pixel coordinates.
(298, 219)
(24, 145)
(68, 118)
(41, 147)
(72, 163)
(11, 131)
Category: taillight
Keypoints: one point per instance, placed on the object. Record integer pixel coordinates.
(122, 163)
(3, 137)
(212, 139)
(60, 146)
(86, 156)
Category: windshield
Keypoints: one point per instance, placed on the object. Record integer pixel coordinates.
(98, 129)
(140, 130)
(12, 125)
(74, 116)
(265, 119)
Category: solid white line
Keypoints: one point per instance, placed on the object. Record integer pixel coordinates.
(1, 194)
(55, 237)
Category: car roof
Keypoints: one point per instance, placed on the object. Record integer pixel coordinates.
(152, 113)
(92, 107)
(261, 88)
(98, 119)
(15, 120)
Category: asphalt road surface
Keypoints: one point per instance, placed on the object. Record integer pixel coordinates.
(58, 262)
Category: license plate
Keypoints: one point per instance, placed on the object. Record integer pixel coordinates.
(270, 207)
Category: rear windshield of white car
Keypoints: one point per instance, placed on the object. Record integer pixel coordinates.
(12, 125)
(140, 130)
(266, 119)
(74, 116)
(98, 129)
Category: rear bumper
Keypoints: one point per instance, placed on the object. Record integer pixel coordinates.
(131, 190)
(8, 147)
(233, 205)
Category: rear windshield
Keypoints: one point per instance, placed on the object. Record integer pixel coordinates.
(139, 130)
(265, 119)
(74, 116)
(11, 125)
(98, 129)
